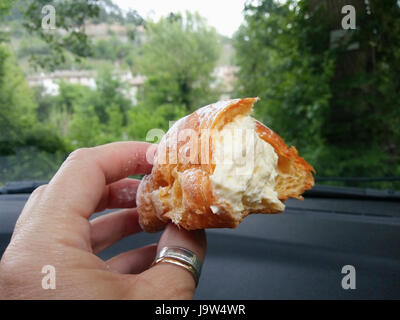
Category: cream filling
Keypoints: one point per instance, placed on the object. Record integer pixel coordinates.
(246, 167)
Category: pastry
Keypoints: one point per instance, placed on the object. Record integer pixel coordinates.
(218, 165)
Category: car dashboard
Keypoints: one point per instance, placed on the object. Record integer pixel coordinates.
(298, 254)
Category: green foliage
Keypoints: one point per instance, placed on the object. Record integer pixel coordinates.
(5, 6)
(278, 66)
(69, 35)
(68, 44)
(178, 59)
(142, 119)
(178, 81)
(87, 117)
(71, 95)
(30, 163)
(112, 49)
(25, 147)
(110, 91)
(345, 123)
(84, 117)
(29, 47)
(17, 105)
(110, 13)
(114, 129)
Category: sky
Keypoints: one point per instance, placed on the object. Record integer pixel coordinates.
(225, 15)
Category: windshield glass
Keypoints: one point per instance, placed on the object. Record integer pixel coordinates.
(83, 73)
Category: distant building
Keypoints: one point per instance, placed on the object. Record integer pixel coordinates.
(134, 84)
(51, 81)
(225, 80)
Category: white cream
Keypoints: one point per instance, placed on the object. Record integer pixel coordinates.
(215, 209)
(246, 166)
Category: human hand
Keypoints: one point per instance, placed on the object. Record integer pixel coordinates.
(54, 229)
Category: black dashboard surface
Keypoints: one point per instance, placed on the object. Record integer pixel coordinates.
(298, 254)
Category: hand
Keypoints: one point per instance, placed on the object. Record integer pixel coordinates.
(54, 229)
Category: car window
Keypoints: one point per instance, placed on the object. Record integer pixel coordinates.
(326, 75)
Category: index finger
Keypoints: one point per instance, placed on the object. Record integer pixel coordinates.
(117, 160)
(78, 185)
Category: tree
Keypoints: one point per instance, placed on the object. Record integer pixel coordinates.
(5, 7)
(69, 35)
(84, 129)
(27, 151)
(178, 58)
(277, 65)
(87, 117)
(110, 91)
(111, 49)
(37, 131)
(17, 105)
(142, 119)
(344, 120)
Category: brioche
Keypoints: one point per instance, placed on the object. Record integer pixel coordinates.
(198, 182)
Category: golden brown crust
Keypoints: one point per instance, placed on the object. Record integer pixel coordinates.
(290, 166)
(179, 188)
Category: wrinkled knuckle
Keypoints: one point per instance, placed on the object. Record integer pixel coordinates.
(79, 154)
(39, 190)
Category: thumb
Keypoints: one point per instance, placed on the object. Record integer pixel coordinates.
(171, 281)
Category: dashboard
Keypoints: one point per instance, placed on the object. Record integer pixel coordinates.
(298, 254)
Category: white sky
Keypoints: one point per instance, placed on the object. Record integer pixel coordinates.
(225, 15)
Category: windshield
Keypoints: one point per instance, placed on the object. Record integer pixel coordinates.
(83, 73)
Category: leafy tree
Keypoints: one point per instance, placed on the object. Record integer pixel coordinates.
(69, 40)
(87, 117)
(5, 8)
(29, 163)
(69, 35)
(84, 117)
(6, 5)
(142, 119)
(71, 95)
(110, 91)
(111, 49)
(17, 105)
(178, 58)
(344, 120)
(37, 131)
(114, 128)
(276, 64)
(29, 47)
(27, 150)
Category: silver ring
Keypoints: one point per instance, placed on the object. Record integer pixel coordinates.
(181, 257)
